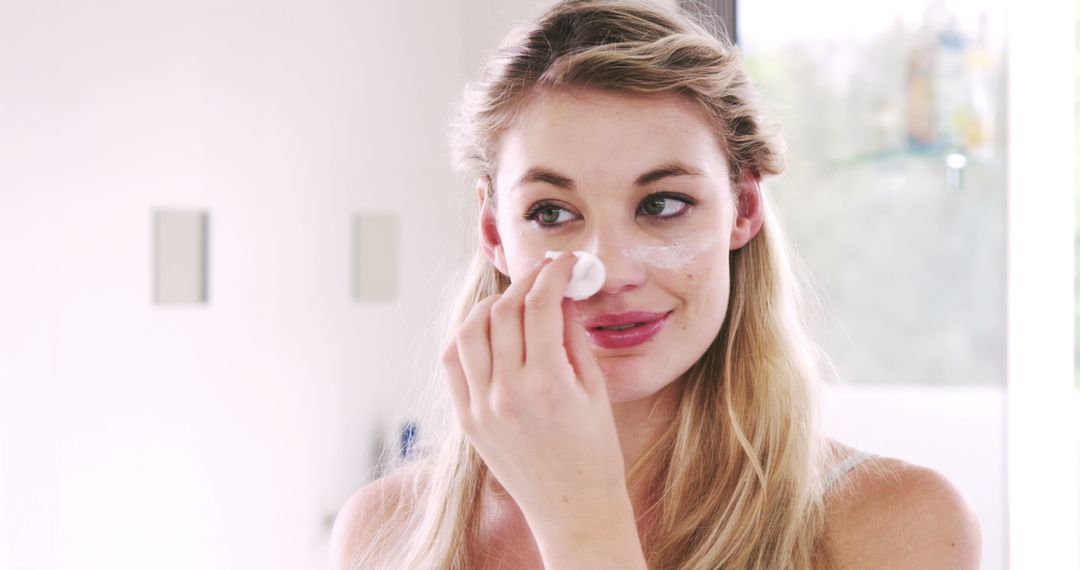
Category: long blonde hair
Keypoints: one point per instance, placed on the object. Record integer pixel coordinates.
(737, 475)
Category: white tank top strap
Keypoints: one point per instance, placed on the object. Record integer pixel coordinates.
(844, 467)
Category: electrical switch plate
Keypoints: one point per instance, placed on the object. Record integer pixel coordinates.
(375, 256)
(180, 255)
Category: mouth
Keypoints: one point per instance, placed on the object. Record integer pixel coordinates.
(627, 334)
(619, 327)
(624, 321)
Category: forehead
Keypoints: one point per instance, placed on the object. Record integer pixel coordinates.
(605, 136)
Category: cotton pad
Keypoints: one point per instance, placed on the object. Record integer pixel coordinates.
(588, 276)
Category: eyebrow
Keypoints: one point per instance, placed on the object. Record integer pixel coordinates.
(665, 170)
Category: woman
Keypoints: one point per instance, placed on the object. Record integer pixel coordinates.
(689, 439)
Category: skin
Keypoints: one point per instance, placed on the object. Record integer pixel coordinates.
(558, 419)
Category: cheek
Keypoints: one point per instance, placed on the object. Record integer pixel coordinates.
(706, 285)
(522, 262)
(689, 254)
(520, 255)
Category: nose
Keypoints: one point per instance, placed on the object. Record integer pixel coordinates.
(623, 272)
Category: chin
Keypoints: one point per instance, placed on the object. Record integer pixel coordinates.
(627, 380)
(623, 394)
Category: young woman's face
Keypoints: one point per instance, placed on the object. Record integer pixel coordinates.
(641, 182)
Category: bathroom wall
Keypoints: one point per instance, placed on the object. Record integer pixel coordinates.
(221, 435)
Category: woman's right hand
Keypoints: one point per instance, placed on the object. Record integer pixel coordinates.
(528, 392)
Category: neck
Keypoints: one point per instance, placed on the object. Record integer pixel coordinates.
(640, 422)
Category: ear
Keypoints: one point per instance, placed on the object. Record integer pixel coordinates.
(747, 210)
(490, 242)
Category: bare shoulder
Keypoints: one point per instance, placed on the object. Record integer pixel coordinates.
(892, 514)
(363, 516)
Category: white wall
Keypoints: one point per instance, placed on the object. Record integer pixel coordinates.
(221, 436)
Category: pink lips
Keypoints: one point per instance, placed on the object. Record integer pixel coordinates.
(626, 318)
(646, 325)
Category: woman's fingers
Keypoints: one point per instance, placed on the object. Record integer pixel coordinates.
(474, 348)
(543, 312)
(507, 324)
(579, 351)
(455, 378)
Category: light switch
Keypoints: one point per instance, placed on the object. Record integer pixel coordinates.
(180, 254)
(375, 256)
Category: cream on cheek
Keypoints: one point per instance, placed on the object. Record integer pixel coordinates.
(527, 256)
(678, 253)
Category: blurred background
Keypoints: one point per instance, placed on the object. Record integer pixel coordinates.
(226, 228)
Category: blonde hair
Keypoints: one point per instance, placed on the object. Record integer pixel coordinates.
(736, 477)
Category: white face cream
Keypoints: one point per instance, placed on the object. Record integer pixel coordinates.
(675, 255)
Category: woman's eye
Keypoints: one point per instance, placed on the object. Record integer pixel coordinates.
(660, 206)
(548, 214)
